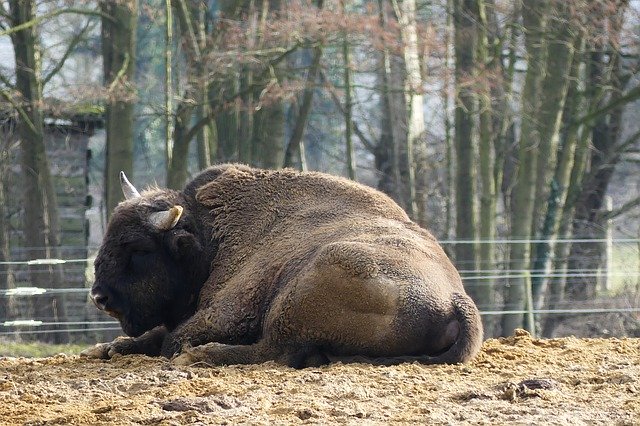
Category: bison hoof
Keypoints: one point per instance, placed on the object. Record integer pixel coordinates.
(184, 359)
(191, 355)
(120, 346)
(100, 350)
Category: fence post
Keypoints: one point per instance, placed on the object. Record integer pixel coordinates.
(605, 284)
(531, 323)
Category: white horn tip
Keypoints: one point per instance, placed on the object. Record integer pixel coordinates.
(128, 189)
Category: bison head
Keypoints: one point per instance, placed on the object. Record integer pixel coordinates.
(150, 266)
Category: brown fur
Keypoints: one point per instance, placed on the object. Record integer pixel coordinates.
(305, 267)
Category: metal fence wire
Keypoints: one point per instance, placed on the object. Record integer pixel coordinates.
(617, 281)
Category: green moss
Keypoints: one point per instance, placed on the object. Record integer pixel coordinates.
(87, 109)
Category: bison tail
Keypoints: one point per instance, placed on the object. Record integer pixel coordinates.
(468, 325)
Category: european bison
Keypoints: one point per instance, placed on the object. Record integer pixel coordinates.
(247, 265)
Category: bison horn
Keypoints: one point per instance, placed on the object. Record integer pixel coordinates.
(166, 219)
(128, 189)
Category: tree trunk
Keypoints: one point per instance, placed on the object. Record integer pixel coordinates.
(348, 112)
(448, 126)
(524, 190)
(6, 274)
(294, 154)
(168, 87)
(465, 41)
(557, 283)
(392, 136)
(348, 103)
(178, 167)
(245, 137)
(506, 139)
(560, 49)
(206, 140)
(195, 101)
(40, 226)
(246, 117)
(406, 14)
(562, 29)
(587, 222)
(556, 199)
(268, 136)
(118, 53)
(228, 123)
(488, 198)
(269, 119)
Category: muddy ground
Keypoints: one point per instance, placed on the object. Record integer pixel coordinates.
(517, 380)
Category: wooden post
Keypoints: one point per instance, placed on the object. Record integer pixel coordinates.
(605, 278)
(531, 321)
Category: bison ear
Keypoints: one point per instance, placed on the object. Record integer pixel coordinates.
(183, 244)
(166, 219)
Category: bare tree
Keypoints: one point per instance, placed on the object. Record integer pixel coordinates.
(465, 42)
(119, 23)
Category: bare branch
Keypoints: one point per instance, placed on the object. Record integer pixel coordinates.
(630, 96)
(46, 16)
(23, 114)
(617, 151)
(70, 48)
(121, 72)
(629, 205)
(217, 108)
(185, 18)
(365, 141)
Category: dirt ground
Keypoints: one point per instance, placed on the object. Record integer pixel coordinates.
(517, 380)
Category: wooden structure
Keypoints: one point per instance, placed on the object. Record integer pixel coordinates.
(66, 141)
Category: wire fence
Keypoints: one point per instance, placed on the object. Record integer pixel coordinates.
(622, 275)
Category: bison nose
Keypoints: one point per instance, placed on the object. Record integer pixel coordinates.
(99, 299)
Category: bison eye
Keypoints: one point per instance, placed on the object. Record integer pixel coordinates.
(141, 260)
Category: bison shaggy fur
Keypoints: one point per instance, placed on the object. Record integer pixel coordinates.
(247, 265)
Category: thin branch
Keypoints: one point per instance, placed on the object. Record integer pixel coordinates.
(212, 113)
(630, 96)
(610, 161)
(215, 109)
(72, 45)
(121, 72)
(365, 141)
(192, 36)
(23, 114)
(617, 152)
(296, 140)
(631, 140)
(39, 19)
(629, 205)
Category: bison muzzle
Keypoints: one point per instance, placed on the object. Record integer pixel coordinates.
(247, 265)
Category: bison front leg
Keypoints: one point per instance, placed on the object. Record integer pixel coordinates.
(201, 328)
(147, 344)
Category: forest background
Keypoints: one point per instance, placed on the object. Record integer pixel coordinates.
(508, 128)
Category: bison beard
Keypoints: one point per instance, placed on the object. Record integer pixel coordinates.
(247, 265)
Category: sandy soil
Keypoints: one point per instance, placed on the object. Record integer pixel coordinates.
(517, 380)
